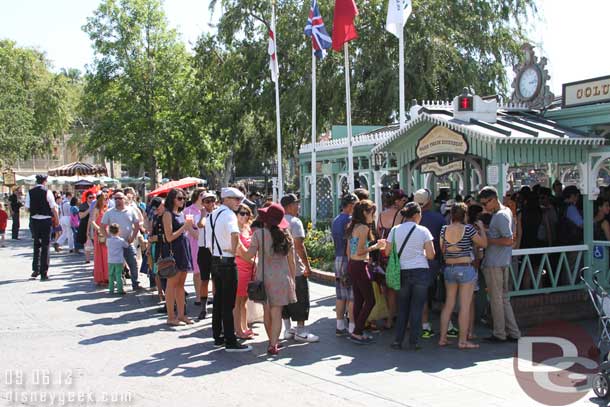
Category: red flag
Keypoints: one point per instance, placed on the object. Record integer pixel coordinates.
(343, 23)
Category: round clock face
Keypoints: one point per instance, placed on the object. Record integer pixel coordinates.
(529, 82)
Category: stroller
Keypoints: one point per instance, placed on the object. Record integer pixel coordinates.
(601, 302)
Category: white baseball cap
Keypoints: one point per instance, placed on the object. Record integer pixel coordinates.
(422, 197)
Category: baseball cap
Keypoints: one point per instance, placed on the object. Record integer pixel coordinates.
(208, 195)
(289, 199)
(231, 192)
(422, 196)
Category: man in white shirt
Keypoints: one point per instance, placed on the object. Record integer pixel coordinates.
(64, 221)
(222, 238)
(298, 311)
(41, 204)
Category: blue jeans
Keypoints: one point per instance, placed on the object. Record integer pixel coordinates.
(130, 258)
(412, 296)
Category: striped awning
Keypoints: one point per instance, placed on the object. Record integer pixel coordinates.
(78, 168)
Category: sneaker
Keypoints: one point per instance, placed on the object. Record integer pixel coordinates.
(238, 347)
(453, 333)
(359, 341)
(306, 337)
(427, 333)
(341, 332)
(289, 333)
(34, 274)
(219, 342)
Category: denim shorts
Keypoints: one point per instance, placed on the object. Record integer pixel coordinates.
(459, 274)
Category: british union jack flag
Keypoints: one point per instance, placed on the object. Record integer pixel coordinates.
(320, 39)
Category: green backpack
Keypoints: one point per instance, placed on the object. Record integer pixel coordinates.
(392, 271)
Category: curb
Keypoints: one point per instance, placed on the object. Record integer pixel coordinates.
(323, 277)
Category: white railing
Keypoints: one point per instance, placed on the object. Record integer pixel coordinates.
(359, 140)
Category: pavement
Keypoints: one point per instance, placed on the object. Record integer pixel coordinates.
(72, 343)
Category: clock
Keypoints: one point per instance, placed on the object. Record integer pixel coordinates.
(529, 82)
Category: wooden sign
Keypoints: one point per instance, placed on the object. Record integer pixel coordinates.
(439, 169)
(587, 92)
(441, 140)
(9, 178)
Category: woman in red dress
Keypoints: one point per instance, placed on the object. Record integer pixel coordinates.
(100, 251)
(245, 270)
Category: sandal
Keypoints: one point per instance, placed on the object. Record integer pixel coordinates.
(173, 322)
(468, 345)
(245, 337)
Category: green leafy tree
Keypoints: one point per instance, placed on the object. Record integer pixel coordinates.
(36, 105)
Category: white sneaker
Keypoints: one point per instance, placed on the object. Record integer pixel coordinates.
(289, 333)
(306, 337)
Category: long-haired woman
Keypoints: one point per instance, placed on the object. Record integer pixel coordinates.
(458, 241)
(359, 234)
(100, 251)
(193, 237)
(245, 272)
(175, 227)
(276, 266)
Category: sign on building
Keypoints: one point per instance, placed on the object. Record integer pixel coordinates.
(587, 92)
(441, 140)
(439, 169)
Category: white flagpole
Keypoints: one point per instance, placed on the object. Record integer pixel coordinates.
(401, 76)
(280, 180)
(314, 167)
(350, 152)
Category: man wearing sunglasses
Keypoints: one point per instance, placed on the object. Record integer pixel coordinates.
(129, 225)
(496, 263)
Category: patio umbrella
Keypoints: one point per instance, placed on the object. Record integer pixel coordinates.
(182, 183)
(78, 168)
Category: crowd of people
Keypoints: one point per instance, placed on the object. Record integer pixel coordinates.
(443, 246)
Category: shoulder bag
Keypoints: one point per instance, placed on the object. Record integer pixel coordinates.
(256, 289)
(392, 272)
(166, 266)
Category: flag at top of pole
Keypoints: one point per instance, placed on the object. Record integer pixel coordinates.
(398, 13)
(344, 29)
(315, 29)
(273, 65)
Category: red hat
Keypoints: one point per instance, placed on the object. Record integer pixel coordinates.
(273, 215)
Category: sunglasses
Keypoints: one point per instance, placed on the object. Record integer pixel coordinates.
(243, 213)
(180, 198)
(118, 197)
(209, 201)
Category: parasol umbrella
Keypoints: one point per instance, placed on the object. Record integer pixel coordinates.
(78, 168)
(181, 183)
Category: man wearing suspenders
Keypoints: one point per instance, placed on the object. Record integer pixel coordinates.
(222, 238)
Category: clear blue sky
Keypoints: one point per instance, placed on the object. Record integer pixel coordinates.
(571, 34)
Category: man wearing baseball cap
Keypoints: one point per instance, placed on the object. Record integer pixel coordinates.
(298, 311)
(222, 238)
(434, 222)
(41, 204)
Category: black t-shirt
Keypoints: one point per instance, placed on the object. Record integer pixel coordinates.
(15, 203)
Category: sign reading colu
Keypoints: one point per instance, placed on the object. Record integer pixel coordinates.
(441, 140)
(586, 92)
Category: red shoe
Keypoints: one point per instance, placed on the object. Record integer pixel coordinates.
(273, 350)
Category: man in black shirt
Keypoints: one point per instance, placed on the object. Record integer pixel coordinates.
(15, 209)
(42, 207)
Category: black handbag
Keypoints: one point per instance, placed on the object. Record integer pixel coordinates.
(256, 289)
(166, 266)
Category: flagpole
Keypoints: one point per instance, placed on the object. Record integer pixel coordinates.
(350, 152)
(314, 166)
(401, 76)
(280, 181)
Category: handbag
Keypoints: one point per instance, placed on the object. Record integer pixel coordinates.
(392, 272)
(101, 238)
(256, 289)
(166, 266)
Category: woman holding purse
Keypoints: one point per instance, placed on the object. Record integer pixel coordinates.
(100, 251)
(276, 268)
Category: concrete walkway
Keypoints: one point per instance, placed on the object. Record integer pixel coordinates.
(83, 340)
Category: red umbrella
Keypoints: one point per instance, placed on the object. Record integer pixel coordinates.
(182, 183)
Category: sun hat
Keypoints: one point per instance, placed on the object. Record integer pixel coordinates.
(273, 215)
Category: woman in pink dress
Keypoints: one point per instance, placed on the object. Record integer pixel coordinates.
(245, 273)
(100, 251)
(193, 237)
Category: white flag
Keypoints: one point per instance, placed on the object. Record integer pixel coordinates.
(273, 65)
(398, 13)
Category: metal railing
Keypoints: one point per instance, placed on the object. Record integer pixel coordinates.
(547, 269)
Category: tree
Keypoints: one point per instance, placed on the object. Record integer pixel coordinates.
(36, 105)
(448, 45)
(135, 90)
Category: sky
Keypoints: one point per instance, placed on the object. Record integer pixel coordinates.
(569, 33)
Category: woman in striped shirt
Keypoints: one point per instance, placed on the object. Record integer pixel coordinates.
(457, 242)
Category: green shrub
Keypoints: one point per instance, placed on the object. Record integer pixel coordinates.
(320, 248)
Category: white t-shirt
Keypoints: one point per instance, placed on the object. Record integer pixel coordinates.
(413, 255)
(225, 223)
(296, 230)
